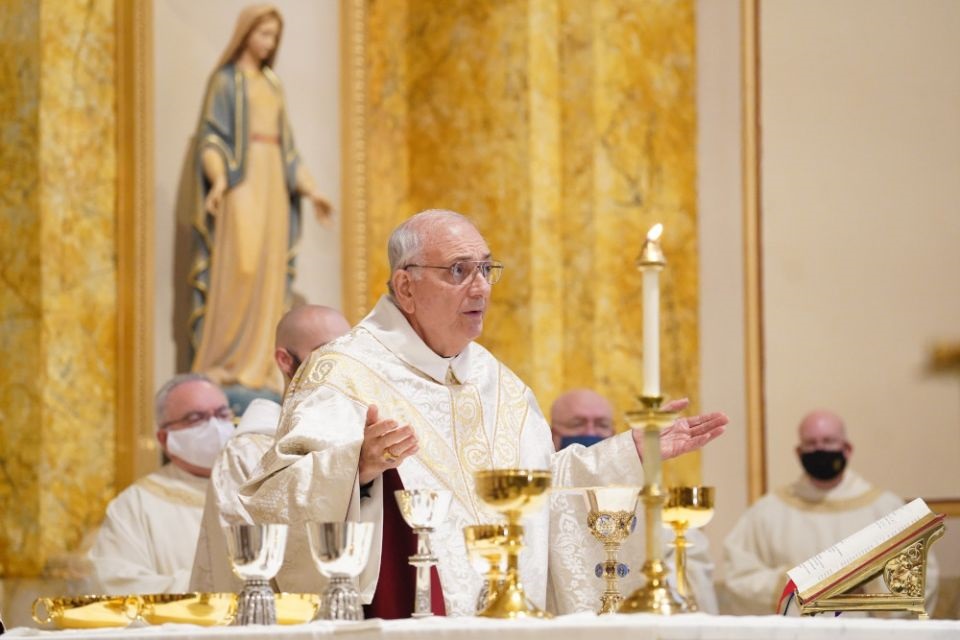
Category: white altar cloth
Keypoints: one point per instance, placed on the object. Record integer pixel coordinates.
(697, 626)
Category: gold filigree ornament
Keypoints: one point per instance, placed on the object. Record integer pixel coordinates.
(903, 574)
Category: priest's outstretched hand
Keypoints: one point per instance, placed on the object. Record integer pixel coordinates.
(685, 434)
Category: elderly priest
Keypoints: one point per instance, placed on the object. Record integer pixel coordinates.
(408, 399)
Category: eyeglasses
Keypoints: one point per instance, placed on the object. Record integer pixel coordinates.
(194, 418)
(464, 270)
(579, 424)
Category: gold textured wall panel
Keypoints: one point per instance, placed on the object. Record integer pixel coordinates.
(58, 346)
(564, 129)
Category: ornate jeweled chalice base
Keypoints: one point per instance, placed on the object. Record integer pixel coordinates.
(513, 492)
(687, 508)
(611, 517)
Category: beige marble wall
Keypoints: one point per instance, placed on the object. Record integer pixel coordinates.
(58, 286)
(565, 129)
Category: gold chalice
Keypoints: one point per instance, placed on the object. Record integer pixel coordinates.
(486, 543)
(687, 508)
(611, 517)
(513, 492)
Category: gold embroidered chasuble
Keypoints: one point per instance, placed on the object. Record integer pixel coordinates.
(470, 412)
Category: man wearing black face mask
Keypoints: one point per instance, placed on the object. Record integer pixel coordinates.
(825, 505)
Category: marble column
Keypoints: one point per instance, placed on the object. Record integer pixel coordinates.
(565, 129)
(57, 282)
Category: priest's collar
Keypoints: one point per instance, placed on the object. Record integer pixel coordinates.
(391, 328)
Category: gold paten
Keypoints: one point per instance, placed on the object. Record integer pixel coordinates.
(687, 508)
(656, 595)
(513, 492)
(904, 570)
(204, 609)
(86, 612)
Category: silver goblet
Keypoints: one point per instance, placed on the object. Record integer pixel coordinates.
(256, 553)
(340, 551)
(423, 509)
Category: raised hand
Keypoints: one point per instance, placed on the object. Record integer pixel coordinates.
(385, 445)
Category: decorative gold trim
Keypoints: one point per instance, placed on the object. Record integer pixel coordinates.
(353, 239)
(135, 446)
(752, 250)
(827, 506)
(176, 495)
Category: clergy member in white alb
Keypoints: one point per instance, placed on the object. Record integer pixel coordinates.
(299, 332)
(408, 399)
(147, 540)
(787, 527)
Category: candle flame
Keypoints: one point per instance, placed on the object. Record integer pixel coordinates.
(654, 234)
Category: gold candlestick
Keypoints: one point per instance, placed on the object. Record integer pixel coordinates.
(656, 595)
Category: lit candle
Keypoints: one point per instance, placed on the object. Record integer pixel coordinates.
(651, 262)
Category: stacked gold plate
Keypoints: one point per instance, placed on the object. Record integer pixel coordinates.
(205, 609)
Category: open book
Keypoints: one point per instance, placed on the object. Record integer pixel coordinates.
(862, 554)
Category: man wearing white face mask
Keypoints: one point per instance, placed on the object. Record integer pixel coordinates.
(149, 535)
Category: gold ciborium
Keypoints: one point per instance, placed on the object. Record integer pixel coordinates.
(487, 543)
(686, 508)
(513, 492)
(611, 517)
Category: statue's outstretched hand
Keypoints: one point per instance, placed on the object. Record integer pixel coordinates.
(322, 207)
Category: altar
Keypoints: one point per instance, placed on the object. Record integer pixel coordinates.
(698, 626)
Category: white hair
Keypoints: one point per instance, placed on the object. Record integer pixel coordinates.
(406, 241)
(160, 400)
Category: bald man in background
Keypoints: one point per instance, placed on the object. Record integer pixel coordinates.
(299, 332)
(794, 523)
(580, 416)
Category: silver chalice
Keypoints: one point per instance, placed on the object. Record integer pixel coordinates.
(423, 509)
(256, 553)
(340, 551)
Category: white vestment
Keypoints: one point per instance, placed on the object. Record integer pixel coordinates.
(793, 524)
(469, 413)
(236, 462)
(148, 537)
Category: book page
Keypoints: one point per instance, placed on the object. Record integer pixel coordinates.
(847, 551)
